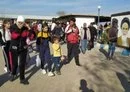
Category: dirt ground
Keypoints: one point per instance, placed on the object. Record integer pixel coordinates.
(96, 74)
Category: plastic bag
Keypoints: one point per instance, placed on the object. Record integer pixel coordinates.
(38, 61)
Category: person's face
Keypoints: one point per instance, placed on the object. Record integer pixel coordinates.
(84, 25)
(45, 29)
(56, 41)
(125, 28)
(72, 23)
(7, 25)
(20, 24)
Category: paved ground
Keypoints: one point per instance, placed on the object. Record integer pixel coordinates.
(96, 75)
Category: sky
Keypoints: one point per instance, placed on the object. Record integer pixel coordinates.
(51, 7)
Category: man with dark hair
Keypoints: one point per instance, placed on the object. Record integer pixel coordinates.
(112, 37)
(57, 31)
(93, 32)
(72, 33)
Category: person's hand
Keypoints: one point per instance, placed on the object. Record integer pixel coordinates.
(28, 41)
(62, 58)
(74, 29)
(27, 25)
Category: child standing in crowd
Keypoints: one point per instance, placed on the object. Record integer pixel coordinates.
(5, 42)
(44, 38)
(57, 54)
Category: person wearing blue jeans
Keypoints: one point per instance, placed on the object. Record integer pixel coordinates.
(56, 61)
(44, 50)
(84, 44)
(85, 37)
(111, 50)
(112, 36)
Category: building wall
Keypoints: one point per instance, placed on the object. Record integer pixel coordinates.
(80, 21)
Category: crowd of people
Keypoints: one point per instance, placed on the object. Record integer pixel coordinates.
(15, 40)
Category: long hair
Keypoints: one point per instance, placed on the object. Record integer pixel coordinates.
(3, 26)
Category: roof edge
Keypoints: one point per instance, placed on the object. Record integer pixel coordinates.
(121, 13)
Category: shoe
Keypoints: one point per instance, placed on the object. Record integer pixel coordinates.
(5, 69)
(43, 71)
(108, 58)
(78, 64)
(24, 81)
(50, 74)
(12, 78)
(128, 80)
(58, 72)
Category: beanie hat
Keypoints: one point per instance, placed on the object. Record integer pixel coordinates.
(20, 19)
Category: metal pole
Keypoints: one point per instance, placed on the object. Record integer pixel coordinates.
(98, 21)
(99, 15)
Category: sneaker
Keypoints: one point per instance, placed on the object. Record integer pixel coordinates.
(5, 69)
(43, 71)
(13, 77)
(24, 81)
(50, 74)
(58, 72)
(78, 65)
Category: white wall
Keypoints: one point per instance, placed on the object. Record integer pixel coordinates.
(80, 21)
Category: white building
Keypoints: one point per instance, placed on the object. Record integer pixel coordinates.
(80, 19)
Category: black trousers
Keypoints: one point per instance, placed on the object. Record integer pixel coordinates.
(92, 41)
(6, 49)
(21, 57)
(73, 51)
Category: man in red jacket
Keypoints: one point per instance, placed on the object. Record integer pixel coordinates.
(20, 37)
(72, 35)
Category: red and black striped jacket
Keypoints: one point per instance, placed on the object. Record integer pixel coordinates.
(19, 37)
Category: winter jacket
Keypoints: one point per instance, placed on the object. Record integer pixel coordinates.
(82, 33)
(19, 37)
(93, 32)
(72, 34)
(112, 34)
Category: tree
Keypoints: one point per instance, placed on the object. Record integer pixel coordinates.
(61, 13)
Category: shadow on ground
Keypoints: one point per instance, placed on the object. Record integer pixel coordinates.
(31, 72)
(104, 52)
(83, 86)
(102, 74)
(4, 78)
(124, 82)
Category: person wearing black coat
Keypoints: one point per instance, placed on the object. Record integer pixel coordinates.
(93, 32)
